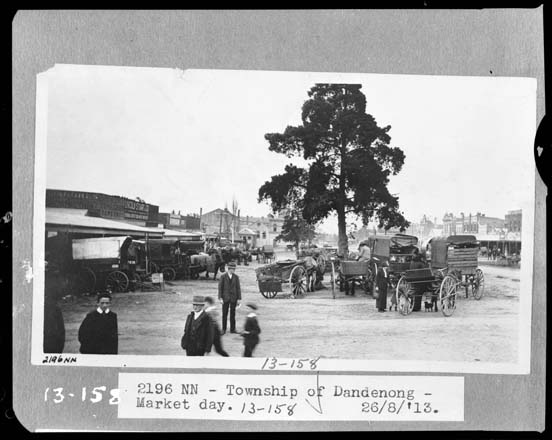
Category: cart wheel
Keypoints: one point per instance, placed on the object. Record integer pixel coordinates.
(478, 286)
(447, 295)
(298, 281)
(86, 280)
(118, 281)
(169, 274)
(405, 297)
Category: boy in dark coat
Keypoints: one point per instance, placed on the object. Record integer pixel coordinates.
(211, 311)
(251, 331)
(98, 333)
(198, 331)
(229, 293)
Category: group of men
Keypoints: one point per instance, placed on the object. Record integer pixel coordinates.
(98, 333)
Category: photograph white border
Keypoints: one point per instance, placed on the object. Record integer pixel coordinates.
(164, 361)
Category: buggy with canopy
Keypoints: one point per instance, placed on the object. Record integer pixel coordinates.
(453, 265)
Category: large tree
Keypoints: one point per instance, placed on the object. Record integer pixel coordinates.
(348, 163)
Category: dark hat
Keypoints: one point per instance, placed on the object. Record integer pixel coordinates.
(232, 265)
(251, 306)
(200, 300)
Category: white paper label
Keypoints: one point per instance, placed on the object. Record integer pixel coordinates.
(291, 397)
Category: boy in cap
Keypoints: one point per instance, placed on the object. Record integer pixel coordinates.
(198, 331)
(211, 311)
(98, 332)
(229, 294)
(251, 331)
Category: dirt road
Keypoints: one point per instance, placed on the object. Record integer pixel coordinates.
(151, 323)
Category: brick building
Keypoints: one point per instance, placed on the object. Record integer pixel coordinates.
(105, 206)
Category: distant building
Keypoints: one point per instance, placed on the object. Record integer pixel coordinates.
(512, 221)
(222, 222)
(172, 220)
(134, 211)
(473, 224)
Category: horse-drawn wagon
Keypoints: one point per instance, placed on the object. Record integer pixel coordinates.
(170, 257)
(296, 276)
(396, 249)
(113, 263)
(453, 265)
(349, 274)
(267, 253)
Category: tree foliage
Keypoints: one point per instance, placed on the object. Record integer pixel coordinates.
(349, 162)
(296, 230)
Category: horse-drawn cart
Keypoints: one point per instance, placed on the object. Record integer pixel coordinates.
(267, 253)
(396, 249)
(166, 256)
(348, 273)
(292, 275)
(113, 263)
(453, 265)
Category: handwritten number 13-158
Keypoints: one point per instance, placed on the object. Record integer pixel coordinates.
(96, 395)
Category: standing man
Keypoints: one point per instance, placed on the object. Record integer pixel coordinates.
(382, 279)
(198, 331)
(211, 311)
(251, 331)
(229, 293)
(98, 333)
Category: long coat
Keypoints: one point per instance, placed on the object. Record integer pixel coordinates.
(54, 328)
(382, 279)
(229, 290)
(98, 333)
(198, 334)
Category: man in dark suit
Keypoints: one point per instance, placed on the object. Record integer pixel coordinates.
(229, 293)
(382, 280)
(198, 331)
(98, 333)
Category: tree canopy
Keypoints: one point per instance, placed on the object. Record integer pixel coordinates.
(296, 230)
(348, 163)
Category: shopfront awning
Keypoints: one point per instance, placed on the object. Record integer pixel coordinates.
(77, 221)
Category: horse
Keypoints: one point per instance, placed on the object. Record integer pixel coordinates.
(204, 263)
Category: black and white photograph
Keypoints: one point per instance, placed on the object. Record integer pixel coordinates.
(360, 219)
(278, 220)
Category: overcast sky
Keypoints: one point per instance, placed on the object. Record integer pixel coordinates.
(186, 140)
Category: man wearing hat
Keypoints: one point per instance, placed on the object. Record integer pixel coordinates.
(229, 293)
(382, 280)
(198, 331)
(251, 331)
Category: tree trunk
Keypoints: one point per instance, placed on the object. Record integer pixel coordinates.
(342, 240)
